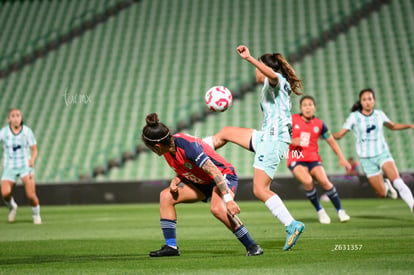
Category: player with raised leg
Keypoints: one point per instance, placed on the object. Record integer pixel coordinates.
(271, 144)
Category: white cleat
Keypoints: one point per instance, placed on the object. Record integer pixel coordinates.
(12, 214)
(343, 216)
(391, 193)
(323, 217)
(37, 220)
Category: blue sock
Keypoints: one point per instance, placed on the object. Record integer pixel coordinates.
(334, 197)
(168, 229)
(313, 197)
(244, 237)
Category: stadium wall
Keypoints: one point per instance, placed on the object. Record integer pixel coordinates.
(148, 191)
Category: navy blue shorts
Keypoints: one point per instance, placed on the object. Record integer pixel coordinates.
(309, 164)
(207, 189)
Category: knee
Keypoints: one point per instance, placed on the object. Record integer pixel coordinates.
(166, 197)
(214, 209)
(260, 193)
(308, 185)
(217, 210)
(222, 133)
(326, 185)
(5, 190)
(225, 129)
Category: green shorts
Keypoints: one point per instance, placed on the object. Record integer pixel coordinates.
(268, 153)
(372, 165)
(12, 174)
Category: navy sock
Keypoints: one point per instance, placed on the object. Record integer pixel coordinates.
(334, 197)
(313, 197)
(244, 237)
(168, 229)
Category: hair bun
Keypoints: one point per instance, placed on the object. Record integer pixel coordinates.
(152, 119)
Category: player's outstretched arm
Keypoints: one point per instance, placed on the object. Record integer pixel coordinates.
(244, 53)
(335, 147)
(231, 205)
(340, 134)
(398, 126)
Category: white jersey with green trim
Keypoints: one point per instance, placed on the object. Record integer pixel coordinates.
(276, 105)
(17, 151)
(368, 132)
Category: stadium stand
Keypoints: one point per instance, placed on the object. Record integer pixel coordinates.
(87, 99)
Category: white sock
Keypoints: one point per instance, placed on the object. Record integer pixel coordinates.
(11, 204)
(279, 210)
(209, 141)
(36, 210)
(404, 191)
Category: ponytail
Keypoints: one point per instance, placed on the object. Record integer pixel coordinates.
(279, 64)
(155, 132)
(356, 107)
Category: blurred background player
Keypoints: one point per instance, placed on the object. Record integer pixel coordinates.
(354, 171)
(20, 152)
(367, 125)
(271, 144)
(204, 174)
(305, 162)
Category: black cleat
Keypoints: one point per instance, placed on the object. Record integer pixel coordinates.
(254, 250)
(165, 251)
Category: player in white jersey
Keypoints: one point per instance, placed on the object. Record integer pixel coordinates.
(271, 144)
(20, 152)
(367, 125)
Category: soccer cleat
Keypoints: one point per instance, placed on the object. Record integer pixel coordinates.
(391, 193)
(12, 214)
(37, 219)
(343, 216)
(293, 230)
(254, 250)
(165, 251)
(323, 217)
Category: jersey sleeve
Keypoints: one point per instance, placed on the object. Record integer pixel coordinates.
(349, 122)
(325, 133)
(384, 117)
(194, 152)
(31, 137)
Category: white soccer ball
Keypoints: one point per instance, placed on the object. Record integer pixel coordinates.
(218, 98)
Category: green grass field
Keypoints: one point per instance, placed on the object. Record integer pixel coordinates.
(116, 239)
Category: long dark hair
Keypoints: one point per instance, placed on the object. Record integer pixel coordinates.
(279, 64)
(155, 132)
(357, 105)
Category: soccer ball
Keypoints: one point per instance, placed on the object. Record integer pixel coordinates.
(218, 98)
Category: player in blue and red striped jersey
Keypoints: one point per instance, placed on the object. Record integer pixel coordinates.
(201, 174)
(305, 162)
